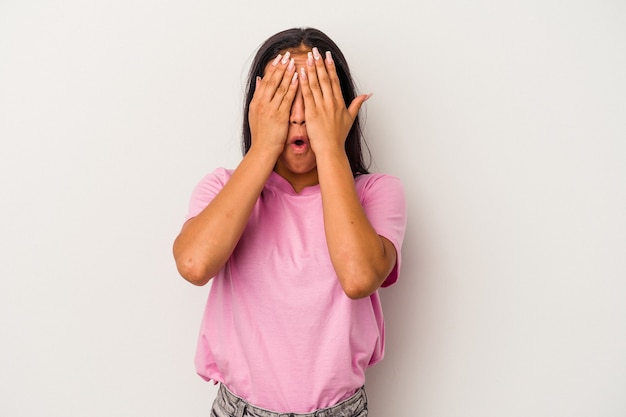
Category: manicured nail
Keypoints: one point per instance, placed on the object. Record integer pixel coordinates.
(303, 74)
(309, 59)
(316, 54)
(329, 57)
(276, 60)
(291, 65)
(285, 58)
(294, 78)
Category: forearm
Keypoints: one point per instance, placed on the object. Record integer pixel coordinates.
(361, 258)
(206, 241)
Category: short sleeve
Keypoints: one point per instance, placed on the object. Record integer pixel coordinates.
(206, 190)
(384, 202)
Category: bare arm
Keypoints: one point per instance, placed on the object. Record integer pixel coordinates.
(206, 241)
(362, 259)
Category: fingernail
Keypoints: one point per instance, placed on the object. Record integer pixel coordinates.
(309, 58)
(291, 65)
(329, 57)
(285, 58)
(294, 78)
(276, 60)
(303, 73)
(316, 54)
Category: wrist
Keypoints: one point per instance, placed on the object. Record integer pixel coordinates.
(330, 153)
(330, 159)
(329, 148)
(265, 153)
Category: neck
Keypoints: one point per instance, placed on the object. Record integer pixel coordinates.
(299, 181)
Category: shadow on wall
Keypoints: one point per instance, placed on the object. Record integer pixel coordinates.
(404, 305)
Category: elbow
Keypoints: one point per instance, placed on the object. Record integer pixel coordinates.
(360, 285)
(192, 267)
(361, 279)
(355, 293)
(191, 271)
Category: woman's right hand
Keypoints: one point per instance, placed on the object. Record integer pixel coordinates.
(207, 241)
(271, 105)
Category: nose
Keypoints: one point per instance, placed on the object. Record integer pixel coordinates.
(296, 116)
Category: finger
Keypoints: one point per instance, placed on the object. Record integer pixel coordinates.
(285, 82)
(322, 75)
(290, 87)
(273, 78)
(356, 104)
(334, 78)
(261, 87)
(307, 94)
(311, 73)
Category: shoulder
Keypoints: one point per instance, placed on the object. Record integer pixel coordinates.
(378, 183)
(206, 189)
(213, 181)
(218, 175)
(374, 177)
(381, 194)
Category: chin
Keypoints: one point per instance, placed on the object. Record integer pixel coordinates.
(299, 167)
(287, 169)
(302, 169)
(300, 172)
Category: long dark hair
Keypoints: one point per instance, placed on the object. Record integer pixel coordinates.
(294, 39)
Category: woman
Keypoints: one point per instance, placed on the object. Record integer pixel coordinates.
(298, 238)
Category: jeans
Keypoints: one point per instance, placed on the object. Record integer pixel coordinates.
(227, 404)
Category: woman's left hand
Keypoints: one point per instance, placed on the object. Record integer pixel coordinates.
(328, 120)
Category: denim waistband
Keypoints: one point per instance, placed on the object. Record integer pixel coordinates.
(354, 406)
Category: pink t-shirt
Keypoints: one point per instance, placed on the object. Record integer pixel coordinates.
(278, 330)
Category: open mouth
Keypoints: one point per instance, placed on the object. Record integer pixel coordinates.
(299, 144)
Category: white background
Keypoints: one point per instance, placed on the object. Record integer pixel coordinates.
(506, 121)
